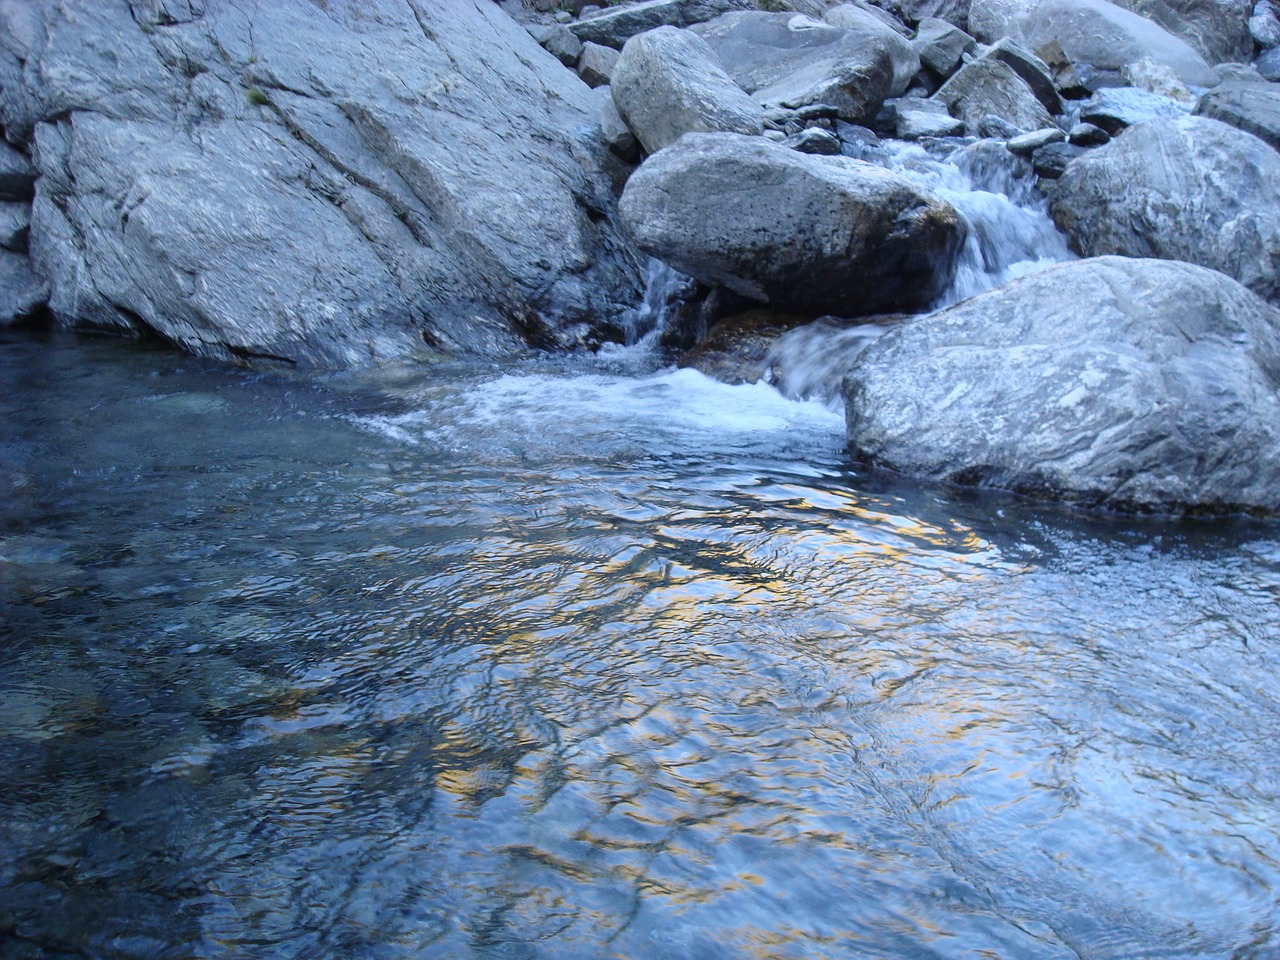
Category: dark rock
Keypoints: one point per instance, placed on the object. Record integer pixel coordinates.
(1268, 65)
(17, 175)
(1050, 161)
(989, 86)
(913, 11)
(1191, 189)
(617, 25)
(805, 234)
(737, 348)
(1239, 73)
(668, 82)
(596, 64)
(1028, 143)
(814, 140)
(1033, 71)
(941, 46)
(15, 222)
(792, 61)
(994, 128)
(915, 123)
(1115, 108)
(21, 292)
(1252, 107)
(1087, 135)
(1133, 384)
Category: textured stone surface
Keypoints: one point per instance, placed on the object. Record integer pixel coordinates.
(1127, 383)
(669, 82)
(1029, 143)
(21, 292)
(1114, 108)
(616, 26)
(1191, 189)
(1217, 29)
(990, 86)
(596, 64)
(940, 45)
(331, 184)
(806, 234)
(1252, 107)
(15, 220)
(17, 176)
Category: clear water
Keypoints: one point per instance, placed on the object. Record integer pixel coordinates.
(580, 660)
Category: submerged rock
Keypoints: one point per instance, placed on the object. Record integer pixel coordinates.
(737, 348)
(1191, 189)
(807, 234)
(1137, 384)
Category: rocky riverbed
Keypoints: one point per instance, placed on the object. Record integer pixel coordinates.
(354, 183)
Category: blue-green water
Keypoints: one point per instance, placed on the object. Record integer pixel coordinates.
(578, 660)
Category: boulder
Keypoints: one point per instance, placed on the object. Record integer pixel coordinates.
(989, 20)
(21, 292)
(559, 41)
(1087, 135)
(614, 132)
(914, 11)
(940, 45)
(791, 60)
(15, 222)
(1051, 160)
(1264, 25)
(1252, 107)
(1268, 65)
(1114, 108)
(668, 82)
(1191, 189)
(990, 86)
(915, 122)
(804, 234)
(1028, 143)
(852, 14)
(596, 64)
(1125, 383)
(1216, 29)
(614, 27)
(333, 184)
(814, 140)
(1034, 72)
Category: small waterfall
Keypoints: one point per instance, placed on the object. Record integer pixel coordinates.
(663, 289)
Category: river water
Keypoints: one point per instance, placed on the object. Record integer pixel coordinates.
(594, 658)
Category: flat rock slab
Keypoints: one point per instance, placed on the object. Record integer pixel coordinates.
(1126, 383)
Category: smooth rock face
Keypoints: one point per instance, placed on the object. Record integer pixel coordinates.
(990, 86)
(21, 293)
(1251, 107)
(668, 82)
(615, 27)
(335, 183)
(1127, 383)
(1192, 189)
(791, 60)
(806, 234)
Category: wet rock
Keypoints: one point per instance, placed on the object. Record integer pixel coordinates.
(21, 292)
(1087, 135)
(1252, 107)
(990, 86)
(941, 46)
(805, 234)
(1264, 25)
(737, 348)
(1028, 143)
(669, 82)
(1134, 384)
(995, 128)
(1114, 108)
(1191, 189)
(614, 27)
(792, 61)
(15, 221)
(1051, 160)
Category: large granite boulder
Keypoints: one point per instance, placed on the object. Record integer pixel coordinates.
(1190, 189)
(615, 26)
(805, 234)
(1251, 107)
(668, 82)
(1142, 384)
(334, 183)
(790, 60)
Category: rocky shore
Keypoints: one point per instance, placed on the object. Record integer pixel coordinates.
(359, 180)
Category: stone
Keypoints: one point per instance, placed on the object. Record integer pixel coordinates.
(21, 292)
(1191, 189)
(915, 124)
(814, 140)
(1087, 135)
(941, 46)
(1264, 25)
(1156, 78)
(669, 82)
(15, 222)
(790, 60)
(1115, 382)
(991, 86)
(615, 26)
(1028, 143)
(615, 133)
(17, 175)
(363, 181)
(990, 20)
(1216, 29)
(804, 234)
(1051, 160)
(1033, 71)
(1268, 65)
(994, 128)
(851, 14)
(1114, 108)
(914, 11)
(560, 42)
(736, 350)
(597, 63)
(1241, 72)
(1251, 107)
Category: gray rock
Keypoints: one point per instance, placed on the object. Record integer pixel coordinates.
(1033, 71)
(913, 11)
(668, 82)
(736, 350)
(337, 184)
(617, 25)
(1158, 79)
(560, 42)
(1264, 25)
(805, 234)
(814, 140)
(993, 128)
(1216, 29)
(21, 292)
(15, 221)
(1239, 72)
(1087, 135)
(940, 45)
(597, 63)
(1268, 65)
(1028, 143)
(791, 60)
(615, 133)
(1114, 108)
(1190, 189)
(1051, 160)
(989, 20)
(915, 124)
(1131, 384)
(1252, 107)
(17, 175)
(850, 14)
(989, 86)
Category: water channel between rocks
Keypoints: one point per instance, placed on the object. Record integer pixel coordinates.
(590, 658)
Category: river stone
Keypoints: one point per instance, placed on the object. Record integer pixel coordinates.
(1252, 107)
(913, 123)
(1051, 160)
(805, 234)
(940, 45)
(21, 292)
(1268, 65)
(1134, 384)
(1028, 143)
(1264, 25)
(616, 26)
(338, 183)
(559, 41)
(597, 63)
(1191, 189)
(852, 15)
(736, 350)
(668, 82)
(1033, 71)
(15, 221)
(791, 60)
(990, 86)
(814, 140)
(1114, 108)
